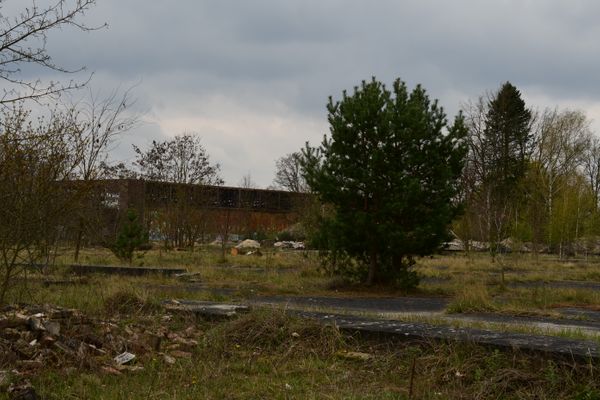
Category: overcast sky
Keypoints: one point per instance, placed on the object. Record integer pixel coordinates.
(252, 77)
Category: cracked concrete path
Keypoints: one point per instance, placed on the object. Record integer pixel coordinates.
(575, 320)
(429, 305)
(582, 350)
(589, 285)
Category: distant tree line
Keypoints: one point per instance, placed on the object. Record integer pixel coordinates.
(531, 178)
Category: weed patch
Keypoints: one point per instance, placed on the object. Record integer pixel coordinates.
(472, 297)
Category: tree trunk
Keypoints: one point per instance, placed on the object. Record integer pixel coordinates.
(225, 234)
(373, 268)
(78, 240)
(550, 211)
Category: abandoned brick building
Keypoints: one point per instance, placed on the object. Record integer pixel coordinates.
(211, 209)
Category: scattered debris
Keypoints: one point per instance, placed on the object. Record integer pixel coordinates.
(216, 243)
(124, 358)
(205, 308)
(23, 392)
(168, 359)
(288, 244)
(355, 355)
(246, 247)
(454, 245)
(35, 323)
(189, 276)
(110, 370)
(52, 327)
(248, 244)
(130, 368)
(35, 337)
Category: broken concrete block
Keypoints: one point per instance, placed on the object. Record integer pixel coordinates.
(248, 244)
(205, 308)
(95, 349)
(16, 321)
(47, 340)
(63, 347)
(186, 342)
(355, 355)
(52, 327)
(124, 358)
(24, 393)
(168, 359)
(134, 368)
(62, 313)
(110, 370)
(35, 324)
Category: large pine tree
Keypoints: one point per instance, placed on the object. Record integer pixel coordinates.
(507, 141)
(507, 138)
(390, 169)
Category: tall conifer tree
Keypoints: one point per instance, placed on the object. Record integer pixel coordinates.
(390, 169)
(507, 142)
(508, 138)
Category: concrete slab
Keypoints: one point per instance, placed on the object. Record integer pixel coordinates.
(583, 314)
(192, 288)
(205, 308)
(82, 269)
(582, 350)
(123, 270)
(589, 327)
(255, 269)
(409, 308)
(364, 304)
(556, 285)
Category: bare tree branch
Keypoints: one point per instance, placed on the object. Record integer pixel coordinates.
(23, 41)
(289, 173)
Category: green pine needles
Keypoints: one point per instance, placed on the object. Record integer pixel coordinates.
(130, 238)
(390, 169)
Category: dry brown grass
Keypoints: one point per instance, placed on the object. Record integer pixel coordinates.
(260, 356)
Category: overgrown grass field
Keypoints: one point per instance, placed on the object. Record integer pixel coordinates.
(268, 354)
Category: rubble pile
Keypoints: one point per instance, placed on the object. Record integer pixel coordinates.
(33, 338)
(287, 244)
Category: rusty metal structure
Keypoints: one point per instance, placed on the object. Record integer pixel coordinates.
(244, 209)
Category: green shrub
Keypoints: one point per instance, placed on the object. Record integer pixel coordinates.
(131, 237)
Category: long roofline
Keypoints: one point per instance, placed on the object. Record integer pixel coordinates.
(199, 184)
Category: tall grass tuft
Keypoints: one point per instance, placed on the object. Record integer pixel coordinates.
(472, 297)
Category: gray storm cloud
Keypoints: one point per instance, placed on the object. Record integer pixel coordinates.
(252, 77)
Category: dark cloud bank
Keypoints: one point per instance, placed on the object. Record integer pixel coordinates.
(252, 77)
